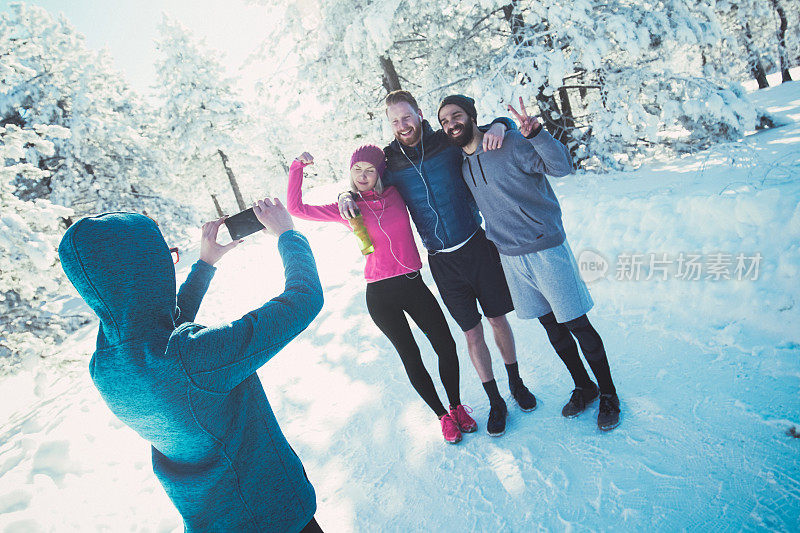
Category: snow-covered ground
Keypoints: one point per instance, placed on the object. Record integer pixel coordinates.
(708, 371)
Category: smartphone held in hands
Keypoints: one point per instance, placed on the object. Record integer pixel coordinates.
(243, 224)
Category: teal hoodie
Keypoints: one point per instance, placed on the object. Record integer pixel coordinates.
(192, 391)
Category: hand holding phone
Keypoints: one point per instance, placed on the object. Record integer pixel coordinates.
(210, 250)
(243, 224)
(266, 214)
(273, 216)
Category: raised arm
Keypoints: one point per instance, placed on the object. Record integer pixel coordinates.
(220, 358)
(547, 156)
(191, 293)
(294, 196)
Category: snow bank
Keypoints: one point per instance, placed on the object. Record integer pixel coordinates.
(735, 208)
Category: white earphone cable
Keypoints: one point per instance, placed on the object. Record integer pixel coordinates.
(427, 192)
(378, 218)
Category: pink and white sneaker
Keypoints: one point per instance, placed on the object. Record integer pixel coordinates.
(450, 429)
(465, 422)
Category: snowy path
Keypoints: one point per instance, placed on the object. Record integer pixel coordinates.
(702, 445)
(708, 373)
(696, 449)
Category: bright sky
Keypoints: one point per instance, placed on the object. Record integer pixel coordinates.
(128, 28)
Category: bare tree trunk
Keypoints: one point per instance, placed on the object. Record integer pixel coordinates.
(281, 157)
(756, 69)
(217, 206)
(567, 120)
(601, 80)
(785, 76)
(704, 62)
(555, 119)
(234, 185)
(515, 20)
(391, 81)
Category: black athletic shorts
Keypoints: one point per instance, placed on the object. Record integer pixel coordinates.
(473, 272)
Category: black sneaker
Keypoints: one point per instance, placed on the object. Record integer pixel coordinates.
(496, 425)
(525, 399)
(608, 417)
(580, 399)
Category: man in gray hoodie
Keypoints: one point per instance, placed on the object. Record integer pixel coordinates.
(523, 219)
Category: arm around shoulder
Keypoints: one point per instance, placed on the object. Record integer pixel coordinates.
(505, 121)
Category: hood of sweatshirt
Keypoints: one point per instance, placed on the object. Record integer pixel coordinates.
(121, 266)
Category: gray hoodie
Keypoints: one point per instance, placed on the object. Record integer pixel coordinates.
(509, 185)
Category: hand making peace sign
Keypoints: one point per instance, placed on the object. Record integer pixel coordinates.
(527, 124)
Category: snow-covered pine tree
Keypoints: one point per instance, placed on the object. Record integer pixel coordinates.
(109, 162)
(29, 235)
(751, 43)
(331, 64)
(209, 129)
(615, 80)
(761, 36)
(74, 142)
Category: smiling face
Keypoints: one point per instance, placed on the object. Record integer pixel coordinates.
(363, 176)
(458, 126)
(406, 123)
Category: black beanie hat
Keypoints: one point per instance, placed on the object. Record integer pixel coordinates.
(464, 102)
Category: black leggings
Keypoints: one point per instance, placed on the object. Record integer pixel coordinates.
(387, 300)
(560, 335)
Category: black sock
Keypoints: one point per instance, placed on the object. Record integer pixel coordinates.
(513, 375)
(491, 391)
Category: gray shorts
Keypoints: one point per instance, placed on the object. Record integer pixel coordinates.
(545, 281)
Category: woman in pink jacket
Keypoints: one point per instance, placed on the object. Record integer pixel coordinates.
(394, 283)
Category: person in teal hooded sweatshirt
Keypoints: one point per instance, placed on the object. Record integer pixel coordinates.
(190, 390)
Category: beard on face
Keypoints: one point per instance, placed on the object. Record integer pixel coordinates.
(416, 133)
(464, 137)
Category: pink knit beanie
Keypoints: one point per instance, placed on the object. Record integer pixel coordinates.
(369, 153)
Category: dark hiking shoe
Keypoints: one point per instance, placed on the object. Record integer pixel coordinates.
(525, 399)
(608, 417)
(496, 425)
(580, 399)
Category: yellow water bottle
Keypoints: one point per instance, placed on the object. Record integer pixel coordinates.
(360, 230)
